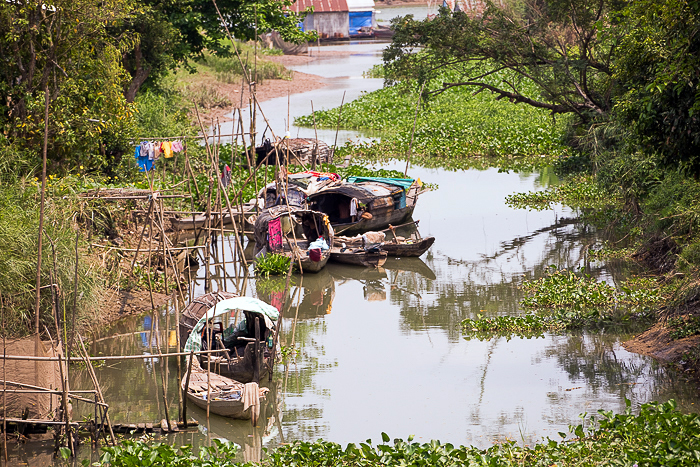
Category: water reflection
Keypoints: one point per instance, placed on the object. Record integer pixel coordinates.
(381, 349)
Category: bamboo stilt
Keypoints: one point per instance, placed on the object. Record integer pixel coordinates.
(96, 383)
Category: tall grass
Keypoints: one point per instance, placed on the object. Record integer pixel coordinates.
(19, 229)
(229, 69)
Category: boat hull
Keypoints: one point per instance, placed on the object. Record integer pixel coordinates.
(377, 222)
(358, 258)
(230, 409)
(414, 249)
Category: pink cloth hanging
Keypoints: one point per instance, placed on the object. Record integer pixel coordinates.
(274, 232)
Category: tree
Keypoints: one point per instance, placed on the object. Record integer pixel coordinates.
(658, 68)
(171, 33)
(565, 47)
(61, 47)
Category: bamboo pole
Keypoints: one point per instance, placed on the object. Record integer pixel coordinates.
(143, 231)
(413, 132)
(41, 209)
(184, 389)
(4, 384)
(337, 129)
(70, 442)
(96, 383)
(108, 357)
(162, 377)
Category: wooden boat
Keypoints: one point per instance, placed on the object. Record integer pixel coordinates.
(292, 231)
(380, 202)
(248, 358)
(227, 397)
(298, 151)
(395, 245)
(407, 247)
(199, 220)
(358, 256)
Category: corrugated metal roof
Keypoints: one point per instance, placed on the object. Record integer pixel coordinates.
(320, 6)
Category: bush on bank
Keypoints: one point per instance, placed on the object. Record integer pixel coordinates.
(658, 435)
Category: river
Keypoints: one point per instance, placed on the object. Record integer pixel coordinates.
(382, 350)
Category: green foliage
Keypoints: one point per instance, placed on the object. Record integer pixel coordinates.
(19, 227)
(138, 453)
(658, 435)
(377, 71)
(228, 68)
(531, 43)
(271, 263)
(288, 353)
(563, 290)
(67, 49)
(656, 66)
(523, 326)
(176, 32)
(684, 326)
(580, 192)
(454, 125)
(568, 300)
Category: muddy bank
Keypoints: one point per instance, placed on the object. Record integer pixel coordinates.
(225, 97)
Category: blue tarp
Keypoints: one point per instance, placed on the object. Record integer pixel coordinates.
(359, 19)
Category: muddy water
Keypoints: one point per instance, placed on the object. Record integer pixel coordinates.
(382, 351)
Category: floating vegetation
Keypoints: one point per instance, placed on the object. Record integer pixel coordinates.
(568, 300)
(658, 435)
(530, 325)
(581, 192)
(271, 264)
(458, 124)
(605, 251)
(577, 291)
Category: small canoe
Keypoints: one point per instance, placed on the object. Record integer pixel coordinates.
(227, 397)
(358, 257)
(408, 247)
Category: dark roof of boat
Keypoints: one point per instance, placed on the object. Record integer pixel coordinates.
(350, 190)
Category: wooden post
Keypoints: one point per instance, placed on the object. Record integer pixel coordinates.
(415, 120)
(96, 383)
(340, 112)
(314, 153)
(184, 390)
(41, 209)
(256, 349)
(4, 385)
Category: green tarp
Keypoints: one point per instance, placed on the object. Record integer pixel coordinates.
(402, 182)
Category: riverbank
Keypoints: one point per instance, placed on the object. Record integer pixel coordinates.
(230, 96)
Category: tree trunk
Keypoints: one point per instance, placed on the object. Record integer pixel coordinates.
(139, 76)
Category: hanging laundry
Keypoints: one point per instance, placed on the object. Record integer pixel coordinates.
(156, 151)
(177, 146)
(167, 148)
(145, 145)
(226, 176)
(353, 207)
(274, 232)
(142, 159)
